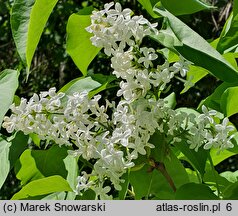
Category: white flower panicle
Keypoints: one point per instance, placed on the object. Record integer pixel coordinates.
(114, 141)
(115, 29)
(121, 34)
(48, 117)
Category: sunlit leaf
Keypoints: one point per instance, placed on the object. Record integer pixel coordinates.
(218, 158)
(79, 85)
(194, 75)
(71, 165)
(28, 170)
(8, 86)
(230, 176)
(28, 19)
(78, 43)
(148, 5)
(185, 6)
(42, 186)
(229, 102)
(5, 163)
(229, 35)
(198, 50)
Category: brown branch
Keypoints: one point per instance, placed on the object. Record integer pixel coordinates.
(161, 168)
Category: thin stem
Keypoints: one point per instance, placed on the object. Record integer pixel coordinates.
(103, 125)
(131, 193)
(198, 175)
(147, 196)
(45, 112)
(180, 79)
(161, 168)
(81, 168)
(164, 172)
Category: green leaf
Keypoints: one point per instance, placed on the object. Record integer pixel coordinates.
(35, 138)
(231, 192)
(218, 158)
(18, 146)
(176, 170)
(210, 60)
(193, 191)
(197, 159)
(50, 162)
(146, 182)
(213, 101)
(5, 163)
(125, 185)
(161, 147)
(192, 175)
(169, 55)
(8, 86)
(148, 6)
(79, 85)
(213, 178)
(234, 140)
(230, 176)
(87, 195)
(42, 187)
(195, 74)
(185, 6)
(171, 100)
(105, 81)
(229, 102)
(167, 38)
(235, 7)
(198, 50)
(229, 35)
(159, 187)
(86, 10)
(28, 170)
(71, 165)
(55, 196)
(231, 58)
(140, 181)
(78, 44)
(28, 20)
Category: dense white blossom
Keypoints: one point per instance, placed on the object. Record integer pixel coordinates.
(148, 56)
(114, 29)
(83, 122)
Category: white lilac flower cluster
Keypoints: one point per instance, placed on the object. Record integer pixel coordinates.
(208, 133)
(121, 34)
(114, 141)
(114, 29)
